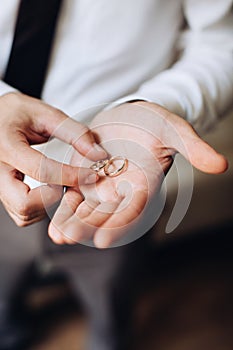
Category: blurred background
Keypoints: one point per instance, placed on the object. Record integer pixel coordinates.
(184, 297)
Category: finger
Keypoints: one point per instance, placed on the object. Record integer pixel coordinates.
(48, 121)
(79, 230)
(23, 203)
(30, 208)
(180, 136)
(57, 228)
(70, 220)
(121, 221)
(88, 219)
(76, 229)
(194, 149)
(203, 156)
(46, 170)
(76, 221)
(75, 134)
(21, 222)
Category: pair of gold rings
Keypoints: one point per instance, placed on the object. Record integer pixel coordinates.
(109, 166)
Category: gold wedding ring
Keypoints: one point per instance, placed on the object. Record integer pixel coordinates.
(107, 164)
(117, 171)
(97, 166)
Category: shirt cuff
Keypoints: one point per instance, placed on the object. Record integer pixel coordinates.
(170, 103)
(5, 88)
(125, 99)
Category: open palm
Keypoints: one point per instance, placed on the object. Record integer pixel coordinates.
(111, 211)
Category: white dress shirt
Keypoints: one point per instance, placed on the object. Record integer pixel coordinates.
(177, 53)
(114, 51)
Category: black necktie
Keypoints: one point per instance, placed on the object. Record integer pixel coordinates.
(31, 45)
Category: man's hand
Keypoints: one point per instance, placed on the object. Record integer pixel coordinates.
(25, 121)
(148, 136)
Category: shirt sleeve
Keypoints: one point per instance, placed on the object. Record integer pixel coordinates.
(5, 88)
(199, 86)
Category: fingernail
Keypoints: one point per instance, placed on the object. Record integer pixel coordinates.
(92, 178)
(100, 150)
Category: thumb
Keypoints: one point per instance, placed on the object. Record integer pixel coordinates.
(198, 152)
(74, 133)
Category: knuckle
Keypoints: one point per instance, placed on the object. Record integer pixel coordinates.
(35, 173)
(23, 210)
(71, 178)
(82, 130)
(71, 202)
(21, 223)
(57, 112)
(54, 113)
(40, 172)
(12, 98)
